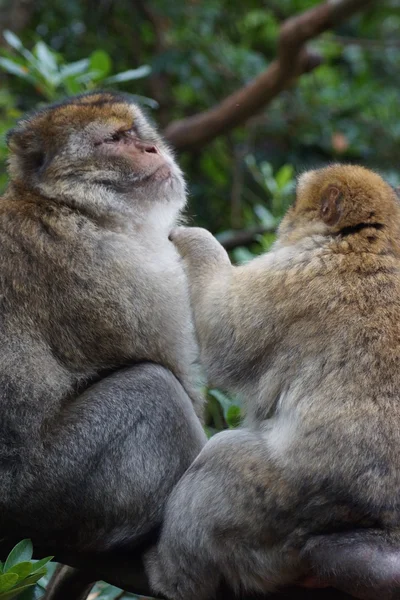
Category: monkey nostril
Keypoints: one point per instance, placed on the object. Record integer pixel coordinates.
(144, 147)
(151, 149)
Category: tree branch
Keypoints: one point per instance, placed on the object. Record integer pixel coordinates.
(243, 237)
(158, 81)
(293, 60)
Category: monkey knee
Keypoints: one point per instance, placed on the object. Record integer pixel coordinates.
(365, 563)
(161, 401)
(179, 575)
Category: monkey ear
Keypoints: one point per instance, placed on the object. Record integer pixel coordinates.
(29, 157)
(331, 205)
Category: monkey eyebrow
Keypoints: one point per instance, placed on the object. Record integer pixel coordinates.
(118, 134)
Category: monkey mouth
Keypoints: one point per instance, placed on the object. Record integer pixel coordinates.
(162, 173)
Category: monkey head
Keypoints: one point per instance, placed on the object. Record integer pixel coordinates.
(96, 152)
(342, 199)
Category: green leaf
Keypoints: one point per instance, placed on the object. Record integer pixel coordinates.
(13, 40)
(14, 593)
(74, 68)
(223, 400)
(215, 411)
(22, 569)
(264, 215)
(233, 416)
(1, 566)
(46, 63)
(267, 239)
(14, 68)
(7, 581)
(20, 553)
(72, 86)
(41, 563)
(87, 78)
(284, 175)
(100, 62)
(34, 578)
(129, 75)
(16, 43)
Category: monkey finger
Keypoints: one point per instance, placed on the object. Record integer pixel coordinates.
(189, 240)
(175, 232)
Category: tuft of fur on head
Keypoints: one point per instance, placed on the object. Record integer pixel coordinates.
(340, 200)
(55, 153)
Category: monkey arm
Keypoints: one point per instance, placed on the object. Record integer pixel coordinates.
(231, 306)
(209, 272)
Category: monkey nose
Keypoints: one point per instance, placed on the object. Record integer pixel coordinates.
(144, 147)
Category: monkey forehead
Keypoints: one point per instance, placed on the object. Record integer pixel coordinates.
(80, 115)
(76, 113)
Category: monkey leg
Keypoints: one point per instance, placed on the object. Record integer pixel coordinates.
(108, 466)
(225, 521)
(364, 563)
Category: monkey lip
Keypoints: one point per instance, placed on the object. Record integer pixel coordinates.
(162, 173)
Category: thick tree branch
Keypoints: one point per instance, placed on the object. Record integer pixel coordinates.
(293, 60)
(158, 81)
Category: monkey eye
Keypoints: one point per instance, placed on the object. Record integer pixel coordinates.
(119, 135)
(115, 137)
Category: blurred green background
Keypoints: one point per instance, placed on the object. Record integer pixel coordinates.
(181, 57)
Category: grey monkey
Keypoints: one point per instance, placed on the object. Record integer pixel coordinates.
(99, 410)
(309, 334)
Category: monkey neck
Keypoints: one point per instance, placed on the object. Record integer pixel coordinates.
(152, 219)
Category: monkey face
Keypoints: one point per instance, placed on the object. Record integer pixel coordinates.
(92, 146)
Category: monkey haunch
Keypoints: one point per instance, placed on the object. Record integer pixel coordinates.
(310, 335)
(89, 282)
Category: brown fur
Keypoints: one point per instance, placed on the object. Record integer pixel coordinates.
(309, 335)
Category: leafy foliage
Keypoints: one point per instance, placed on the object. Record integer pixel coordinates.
(19, 574)
(53, 77)
(26, 579)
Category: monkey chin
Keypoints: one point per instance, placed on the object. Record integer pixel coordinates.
(163, 173)
(171, 183)
(164, 186)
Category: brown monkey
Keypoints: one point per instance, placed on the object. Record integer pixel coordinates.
(90, 283)
(309, 334)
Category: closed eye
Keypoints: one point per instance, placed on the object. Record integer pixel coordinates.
(119, 135)
(115, 137)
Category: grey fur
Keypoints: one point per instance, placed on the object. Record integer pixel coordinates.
(90, 283)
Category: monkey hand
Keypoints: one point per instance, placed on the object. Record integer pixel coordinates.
(198, 248)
